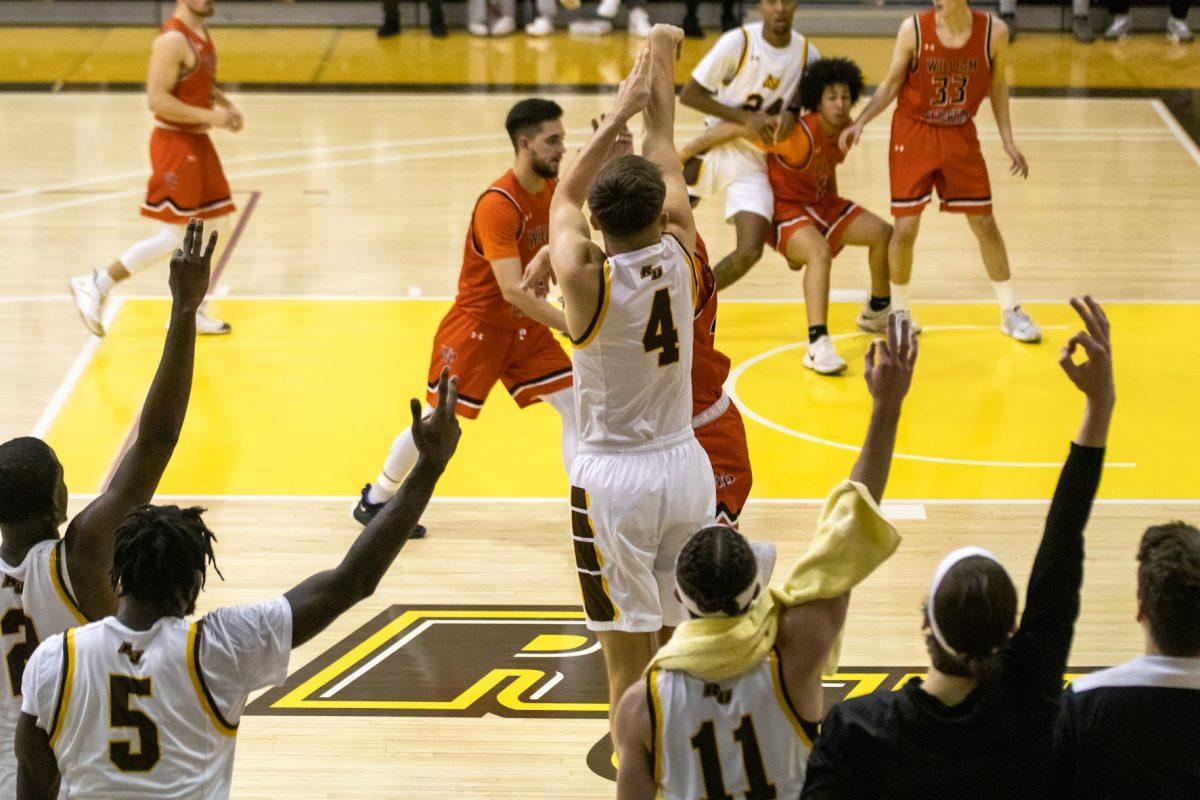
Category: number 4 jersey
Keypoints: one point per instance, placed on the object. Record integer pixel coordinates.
(154, 713)
(738, 739)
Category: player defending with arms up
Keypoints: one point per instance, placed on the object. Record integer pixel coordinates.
(641, 484)
(187, 179)
(946, 61)
(146, 704)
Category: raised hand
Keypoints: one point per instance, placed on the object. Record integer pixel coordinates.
(190, 268)
(890, 362)
(539, 274)
(634, 92)
(436, 435)
(1019, 166)
(1094, 377)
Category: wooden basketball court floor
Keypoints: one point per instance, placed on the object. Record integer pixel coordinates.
(349, 236)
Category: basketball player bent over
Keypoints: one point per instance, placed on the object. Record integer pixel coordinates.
(946, 61)
(641, 484)
(187, 179)
(495, 331)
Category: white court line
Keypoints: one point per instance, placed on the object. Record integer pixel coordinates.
(367, 667)
(1175, 128)
(564, 501)
(736, 373)
(86, 353)
(550, 684)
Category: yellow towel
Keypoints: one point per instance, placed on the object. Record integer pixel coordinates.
(852, 539)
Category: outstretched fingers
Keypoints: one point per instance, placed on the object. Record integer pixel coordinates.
(212, 245)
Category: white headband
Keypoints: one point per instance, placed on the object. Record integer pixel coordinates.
(764, 557)
(947, 564)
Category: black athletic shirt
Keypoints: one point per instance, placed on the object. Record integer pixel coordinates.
(995, 744)
(1131, 733)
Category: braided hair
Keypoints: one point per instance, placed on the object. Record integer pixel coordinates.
(714, 567)
(158, 553)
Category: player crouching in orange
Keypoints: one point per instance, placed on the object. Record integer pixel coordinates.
(811, 221)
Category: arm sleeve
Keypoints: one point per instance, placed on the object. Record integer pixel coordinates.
(497, 227)
(244, 648)
(1037, 655)
(40, 683)
(720, 64)
(1065, 750)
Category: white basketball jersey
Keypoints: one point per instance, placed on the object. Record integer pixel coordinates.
(739, 738)
(36, 601)
(154, 713)
(633, 365)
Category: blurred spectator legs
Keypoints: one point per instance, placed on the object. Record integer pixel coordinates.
(391, 19)
(1122, 23)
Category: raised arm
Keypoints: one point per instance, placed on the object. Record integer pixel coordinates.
(889, 87)
(658, 134)
(168, 55)
(324, 597)
(999, 95)
(807, 632)
(89, 537)
(1037, 654)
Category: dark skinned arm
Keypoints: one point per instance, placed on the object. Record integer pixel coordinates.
(319, 600)
(37, 768)
(89, 537)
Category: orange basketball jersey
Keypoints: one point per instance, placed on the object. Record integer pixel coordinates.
(813, 179)
(508, 222)
(945, 86)
(710, 367)
(196, 86)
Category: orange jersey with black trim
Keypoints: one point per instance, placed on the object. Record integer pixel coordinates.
(710, 367)
(944, 85)
(507, 222)
(816, 178)
(194, 87)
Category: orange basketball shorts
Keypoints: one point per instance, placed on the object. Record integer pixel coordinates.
(925, 157)
(528, 361)
(830, 215)
(724, 440)
(186, 179)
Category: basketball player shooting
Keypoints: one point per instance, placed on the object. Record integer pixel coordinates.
(946, 61)
(187, 179)
(641, 484)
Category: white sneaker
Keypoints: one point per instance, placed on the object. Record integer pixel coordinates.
(503, 26)
(1121, 26)
(823, 359)
(608, 8)
(1017, 324)
(590, 27)
(89, 301)
(1178, 31)
(912, 323)
(477, 28)
(873, 321)
(639, 23)
(207, 326)
(542, 26)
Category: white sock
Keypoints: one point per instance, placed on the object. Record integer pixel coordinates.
(1005, 294)
(104, 281)
(899, 296)
(400, 460)
(153, 249)
(563, 401)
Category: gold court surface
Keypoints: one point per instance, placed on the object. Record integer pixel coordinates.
(468, 673)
